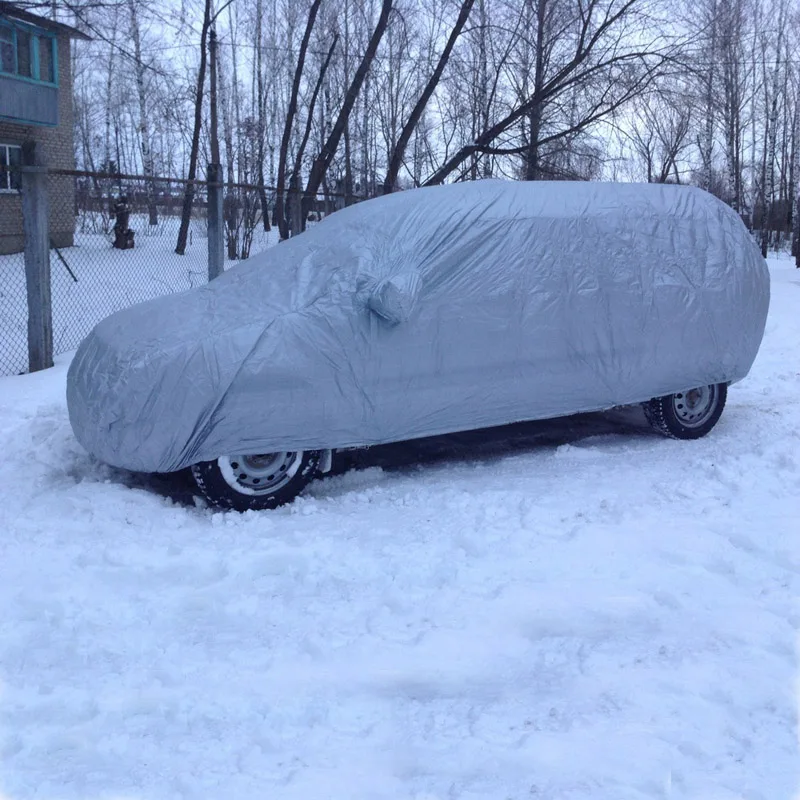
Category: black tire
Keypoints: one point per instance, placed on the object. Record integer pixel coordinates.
(234, 482)
(687, 415)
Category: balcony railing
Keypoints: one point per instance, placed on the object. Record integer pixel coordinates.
(28, 102)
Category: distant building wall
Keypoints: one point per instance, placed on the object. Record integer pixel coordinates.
(56, 147)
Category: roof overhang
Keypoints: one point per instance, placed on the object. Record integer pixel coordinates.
(14, 12)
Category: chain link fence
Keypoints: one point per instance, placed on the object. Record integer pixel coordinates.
(13, 315)
(113, 241)
(122, 251)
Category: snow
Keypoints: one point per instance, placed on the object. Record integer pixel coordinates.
(584, 611)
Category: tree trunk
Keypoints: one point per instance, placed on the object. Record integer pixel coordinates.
(365, 159)
(773, 134)
(280, 201)
(144, 132)
(261, 131)
(188, 197)
(109, 86)
(481, 95)
(212, 96)
(796, 232)
(348, 167)
(328, 151)
(230, 204)
(396, 160)
(764, 236)
(791, 188)
(708, 133)
(532, 159)
(348, 152)
(298, 160)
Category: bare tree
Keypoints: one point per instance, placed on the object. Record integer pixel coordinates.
(398, 154)
(301, 149)
(707, 69)
(280, 203)
(377, 94)
(261, 105)
(592, 49)
(188, 197)
(324, 158)
(736, 77)
(141, 95)
(773, 97)
(659, 133)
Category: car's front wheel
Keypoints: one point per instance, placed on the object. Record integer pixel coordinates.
(261, 481)
(687, 415)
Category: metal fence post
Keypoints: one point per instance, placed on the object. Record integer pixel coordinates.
(297, 206)
(35, 223)
(216, 235)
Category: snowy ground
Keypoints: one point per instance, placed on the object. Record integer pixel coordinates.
(611, 618)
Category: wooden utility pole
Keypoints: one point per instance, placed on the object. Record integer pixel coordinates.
(35, 221)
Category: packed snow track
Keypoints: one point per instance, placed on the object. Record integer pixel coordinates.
(605, 614)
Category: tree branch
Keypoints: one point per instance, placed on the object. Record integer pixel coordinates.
(396, 159)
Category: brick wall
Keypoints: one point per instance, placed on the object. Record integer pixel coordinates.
(56, 147)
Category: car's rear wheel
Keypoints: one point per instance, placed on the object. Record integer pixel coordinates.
(261, 481)
(687, 415)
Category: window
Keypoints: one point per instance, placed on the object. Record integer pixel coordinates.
(47, 71)
(27, 53)
(8, 58)
(24, 60)
(10, 156)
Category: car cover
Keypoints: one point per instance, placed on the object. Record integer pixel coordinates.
(426, 312)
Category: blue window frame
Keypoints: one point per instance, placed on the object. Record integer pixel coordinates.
(28, 53)
(8, 49)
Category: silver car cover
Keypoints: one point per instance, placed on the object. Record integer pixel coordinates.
(430, 311)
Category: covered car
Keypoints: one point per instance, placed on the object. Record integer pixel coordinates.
(427, 312)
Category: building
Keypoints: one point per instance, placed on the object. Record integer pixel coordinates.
(35, 105)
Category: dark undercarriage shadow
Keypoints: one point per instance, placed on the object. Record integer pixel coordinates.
(484, 445)
(490, 443)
